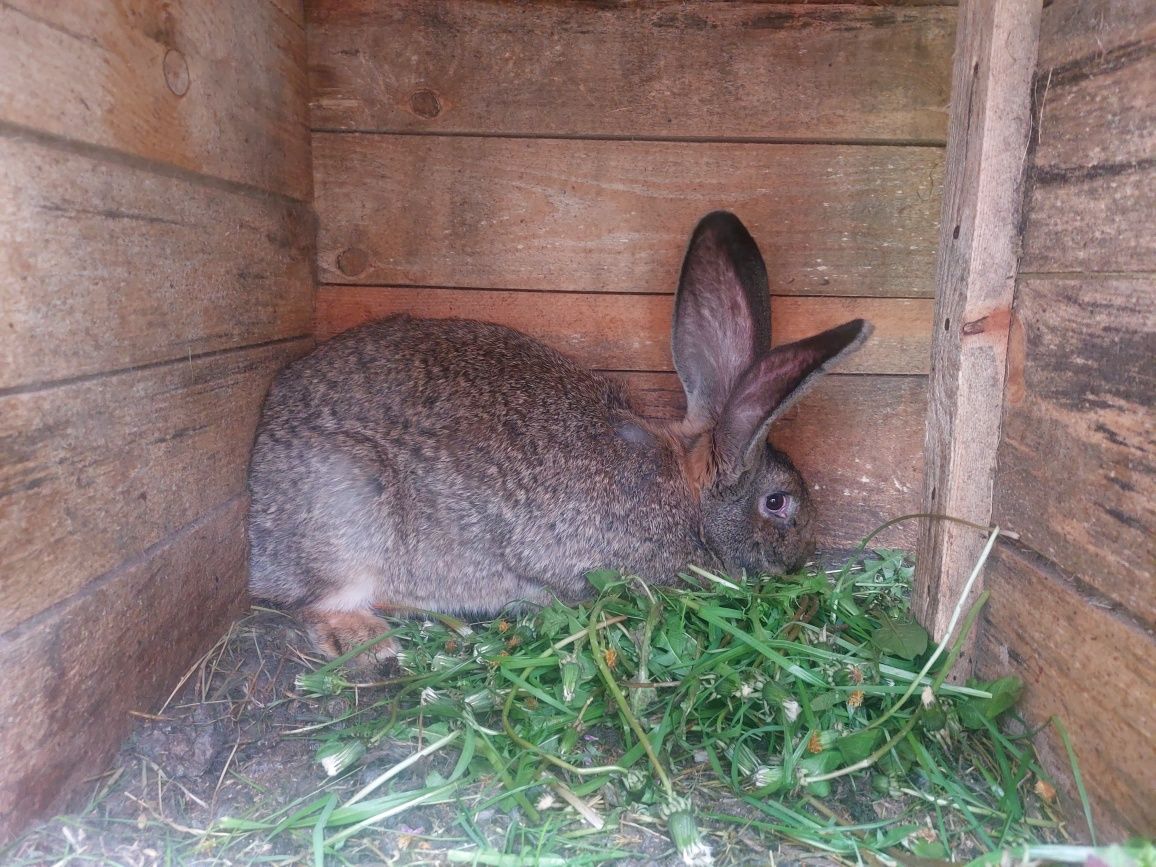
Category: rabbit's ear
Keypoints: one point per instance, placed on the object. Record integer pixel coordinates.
(770, 385)
(722, 314)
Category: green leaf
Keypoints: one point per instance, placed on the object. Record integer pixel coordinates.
(1005, 692)
(603, 579)
(825, 701)
(906, 640)
(856, 747)
(929, 849)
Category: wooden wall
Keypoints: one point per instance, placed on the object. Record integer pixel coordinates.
(155, 270)
(543, 164)
(1073, 607)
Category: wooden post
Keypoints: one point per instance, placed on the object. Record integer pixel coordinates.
(995, 57)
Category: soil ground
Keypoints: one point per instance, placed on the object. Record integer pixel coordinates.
(229, 743)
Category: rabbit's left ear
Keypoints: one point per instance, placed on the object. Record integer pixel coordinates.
(770, 385)
(722, 314)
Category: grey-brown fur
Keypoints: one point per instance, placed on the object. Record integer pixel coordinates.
(462, 466)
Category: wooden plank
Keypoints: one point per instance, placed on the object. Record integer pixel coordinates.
(1092, 186)
(857, 440)
(295, 9)
(632, 332)
(615, 216)
(1075, 29)
(218, 89)
(109, 266)
(1077, 476)
(94, 472)
(1091, 669)
(691, 69)
(987, 143)
(74, 675)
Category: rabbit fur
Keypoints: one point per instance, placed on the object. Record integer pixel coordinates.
(462, 466)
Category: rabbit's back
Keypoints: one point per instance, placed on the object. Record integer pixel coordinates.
(453, 465)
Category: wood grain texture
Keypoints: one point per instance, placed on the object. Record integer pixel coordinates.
(109, 266)
(219, 89)
(1092, 670)
(855, 439)
(1077, 476)
(1092, 186)
(615, 216)
(632, 332)
(74, 675)
(650, 69)
(94, 472)
(295, 9)
(1076, 29)
(987, 144)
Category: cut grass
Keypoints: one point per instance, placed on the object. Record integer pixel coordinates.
(711, 721)
(798, 703)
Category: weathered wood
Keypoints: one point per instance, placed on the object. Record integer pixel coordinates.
(94, 472)
(1091, 189)
(649, 69)
(615, 216)
(1075, 29)
(987, 142)
(295, 9)
(108, 266)
(854, 438)
(218, 89)
(1077, 477)
(632, 332)
(1089, 668)
(74, 674)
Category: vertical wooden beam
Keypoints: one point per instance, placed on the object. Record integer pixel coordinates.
(995, 57)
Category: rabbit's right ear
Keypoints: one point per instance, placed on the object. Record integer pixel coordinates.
(722, 314)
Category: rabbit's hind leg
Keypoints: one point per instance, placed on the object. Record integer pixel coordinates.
(335, 633)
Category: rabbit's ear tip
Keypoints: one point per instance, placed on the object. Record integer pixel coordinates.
(720, 221)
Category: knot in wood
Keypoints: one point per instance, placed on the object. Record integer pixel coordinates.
(425, 103)
(176, 71)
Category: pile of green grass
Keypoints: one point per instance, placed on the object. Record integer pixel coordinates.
(810, 708)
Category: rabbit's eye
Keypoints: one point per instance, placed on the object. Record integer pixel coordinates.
(777, 504)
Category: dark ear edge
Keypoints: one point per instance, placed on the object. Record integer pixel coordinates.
(772, 384)
(722, 315)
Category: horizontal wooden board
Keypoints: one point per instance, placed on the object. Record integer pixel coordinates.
(218, 89)
(1090, 669)
(108, 266)
(632, 332)
(94, 472)
(1091, 193)
(858, 441)
(615, 216)
(1071, 30)
(73, 676)
(1097, 116)
(1076, 473)
(649, 69)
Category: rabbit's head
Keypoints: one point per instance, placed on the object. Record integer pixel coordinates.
(756, 510)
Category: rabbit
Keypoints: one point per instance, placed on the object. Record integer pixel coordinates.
(463, 467)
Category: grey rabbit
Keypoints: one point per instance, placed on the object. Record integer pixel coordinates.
(462, 466)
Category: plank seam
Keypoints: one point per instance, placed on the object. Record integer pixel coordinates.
(114, 156)
(32, 387)
(94, 585)
(1084, 275)
(386, 287)
(515, 135)
(1087, 593)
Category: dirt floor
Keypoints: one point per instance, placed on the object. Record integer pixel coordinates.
(229, 743)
